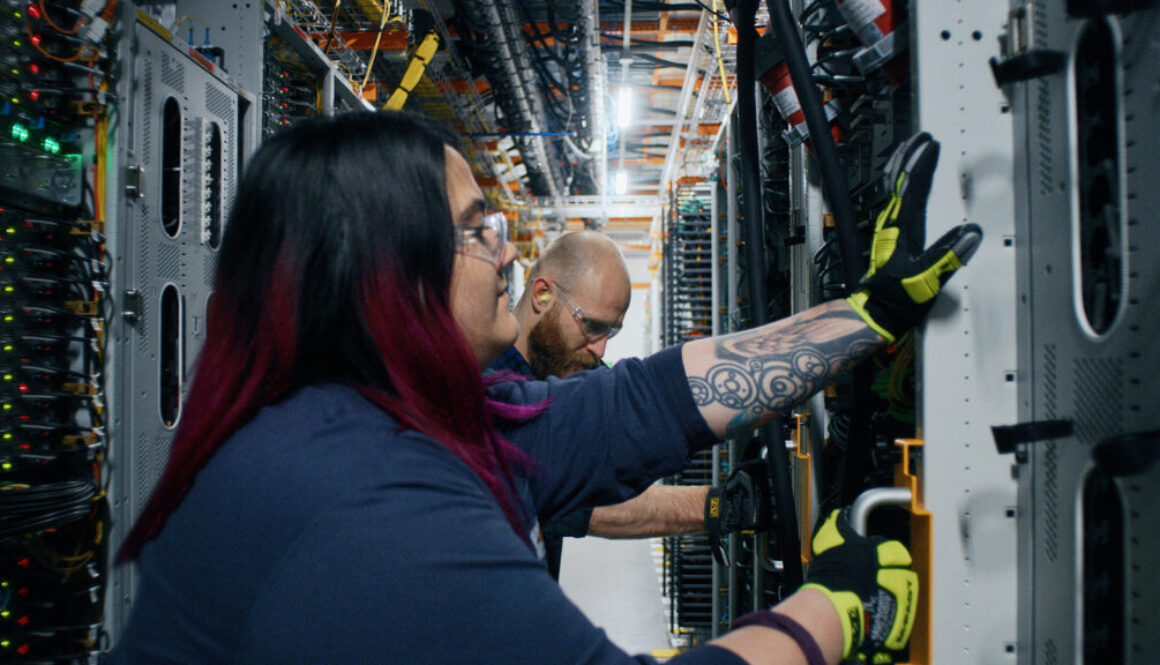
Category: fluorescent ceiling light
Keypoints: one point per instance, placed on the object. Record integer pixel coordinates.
(621, 182)
(624, 107)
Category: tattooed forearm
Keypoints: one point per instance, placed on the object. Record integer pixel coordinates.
(747, 376)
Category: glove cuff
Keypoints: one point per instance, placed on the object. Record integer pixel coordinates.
(713, 507)
(851, 615)
(862, 303)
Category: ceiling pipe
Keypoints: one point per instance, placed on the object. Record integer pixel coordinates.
(513, 75)
(690, 83)
(625, 64)
(594, 74)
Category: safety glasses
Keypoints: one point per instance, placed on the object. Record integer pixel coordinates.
(486, 240)
(593, 330)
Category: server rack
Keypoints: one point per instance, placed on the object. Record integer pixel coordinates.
(1088, 282)
(688, 314)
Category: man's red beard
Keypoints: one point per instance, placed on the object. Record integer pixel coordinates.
(548, 353)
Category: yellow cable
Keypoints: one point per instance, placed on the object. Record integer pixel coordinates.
(415, 68)
(375, 50)
(333, 27)
(717, 49)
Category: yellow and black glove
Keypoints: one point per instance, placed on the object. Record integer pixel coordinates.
(869, 581)
(898, 289)
(742, 503)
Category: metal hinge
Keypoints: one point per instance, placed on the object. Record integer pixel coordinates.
(134, 181)
(131, 306)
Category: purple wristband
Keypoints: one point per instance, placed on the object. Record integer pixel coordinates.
(784, 624)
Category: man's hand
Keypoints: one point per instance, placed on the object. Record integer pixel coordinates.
(869, 582)
(742, 503)
(898, 289)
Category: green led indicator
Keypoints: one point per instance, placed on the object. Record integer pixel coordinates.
(4, 614)
(8, 347)
(7, 436)
(9, 289)
(50, 145)
(8, 318)
(19, 132)
(7, 466)
(8, 407)
(9, 259)
(8, 377)
(10, 230)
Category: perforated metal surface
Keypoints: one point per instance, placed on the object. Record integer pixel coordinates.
(967, 345)
(1102, 380)
(147, 259)
(173, 71)
(1098, 411)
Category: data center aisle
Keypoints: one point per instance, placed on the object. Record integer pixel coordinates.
(615, 583)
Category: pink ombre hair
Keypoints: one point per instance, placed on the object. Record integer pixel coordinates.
(336, 267)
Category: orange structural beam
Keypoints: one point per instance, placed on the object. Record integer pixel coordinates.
(463, 86)
(364, 40)
(669, 26)
(921, 548)
(801, 466)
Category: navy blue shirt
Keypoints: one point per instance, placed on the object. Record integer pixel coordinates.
(322, 533)
(575, 523)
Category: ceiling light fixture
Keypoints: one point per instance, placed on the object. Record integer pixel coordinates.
(621, 185)
(624, 107)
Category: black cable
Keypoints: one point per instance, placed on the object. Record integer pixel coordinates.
(779, 472)
(833, 177)
(658, 61)
(610, 39)
(812, 8)
(638, 6)
(859, 448)
(723, 17)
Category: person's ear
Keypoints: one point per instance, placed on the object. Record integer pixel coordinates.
(541, 295)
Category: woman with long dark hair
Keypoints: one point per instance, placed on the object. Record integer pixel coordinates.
(343, 488)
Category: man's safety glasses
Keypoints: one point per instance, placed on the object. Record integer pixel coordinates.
(592, 329)
(486, 240)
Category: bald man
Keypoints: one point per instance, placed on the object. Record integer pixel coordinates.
(575, 300)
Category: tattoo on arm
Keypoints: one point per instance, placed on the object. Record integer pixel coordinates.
(770, 369)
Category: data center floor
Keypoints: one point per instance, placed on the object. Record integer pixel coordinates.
(615, 582)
